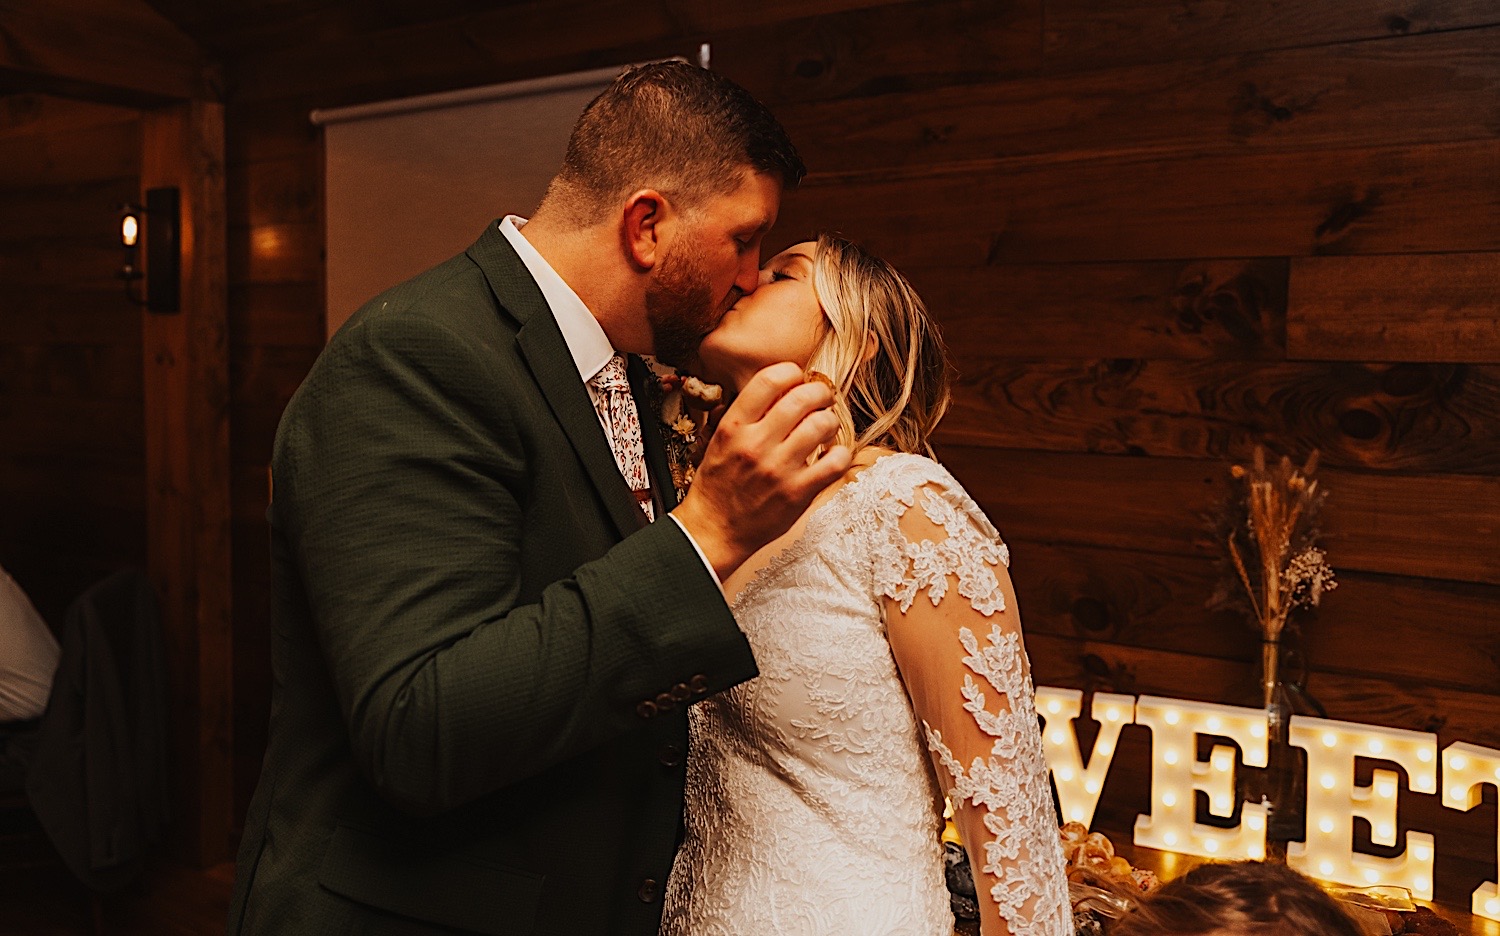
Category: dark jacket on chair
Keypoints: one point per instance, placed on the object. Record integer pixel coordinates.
(97, 779)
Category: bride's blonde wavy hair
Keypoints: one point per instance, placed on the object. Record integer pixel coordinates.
(894, 393)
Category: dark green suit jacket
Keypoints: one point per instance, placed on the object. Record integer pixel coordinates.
(482, 651)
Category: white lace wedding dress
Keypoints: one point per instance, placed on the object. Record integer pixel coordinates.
(812, 804)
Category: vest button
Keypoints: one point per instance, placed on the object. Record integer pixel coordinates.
(670, 755)
(646, 709)
(648, 891)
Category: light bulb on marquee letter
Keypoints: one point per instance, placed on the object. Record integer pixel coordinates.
(1333, 801)
(1176, 773)
(1078, 787)
(1466, 769)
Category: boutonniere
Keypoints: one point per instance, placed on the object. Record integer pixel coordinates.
(682, 403)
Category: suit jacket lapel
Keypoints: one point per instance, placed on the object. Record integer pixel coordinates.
(551, 364)
(656, 448)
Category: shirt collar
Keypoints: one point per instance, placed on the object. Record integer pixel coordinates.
(586, 341)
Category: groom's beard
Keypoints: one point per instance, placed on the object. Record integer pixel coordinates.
(680, 308)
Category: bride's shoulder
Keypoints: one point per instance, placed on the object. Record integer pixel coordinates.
(905, 470)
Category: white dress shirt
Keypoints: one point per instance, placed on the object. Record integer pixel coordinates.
(590, 347)
(28, 655)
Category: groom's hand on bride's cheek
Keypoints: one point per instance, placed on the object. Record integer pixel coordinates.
(755, 481)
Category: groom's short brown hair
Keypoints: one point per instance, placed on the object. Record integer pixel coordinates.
(671, 126)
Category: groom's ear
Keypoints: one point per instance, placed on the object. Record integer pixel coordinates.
(646, 211)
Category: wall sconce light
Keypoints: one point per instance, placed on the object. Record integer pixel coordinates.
(161, 216)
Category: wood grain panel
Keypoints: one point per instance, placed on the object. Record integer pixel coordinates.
(71, 372)
(86, 154)
(65, 313)
(1426, 89)
(102, 47)
(274, 191)
(1418, 418)
(1431, 307)
(1228, 309)
(268, 376)
(1155, 601)
(276, 315)
(71, 430)
(1433, 198)
(1436, 526)
(276, 253)
(877, 52)
(44, 263)
(85, 212)
(520, 40)
(1083, 34)
(26, 114)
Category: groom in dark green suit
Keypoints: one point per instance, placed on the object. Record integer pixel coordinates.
(483, 648)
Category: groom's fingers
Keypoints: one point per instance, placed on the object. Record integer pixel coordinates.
(819, 427)
(763, 391)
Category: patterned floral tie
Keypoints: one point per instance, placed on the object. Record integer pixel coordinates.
(616, 408)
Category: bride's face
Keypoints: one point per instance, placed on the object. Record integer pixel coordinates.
(780, 321)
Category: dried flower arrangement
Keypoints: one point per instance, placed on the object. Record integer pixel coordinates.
(1269, 527)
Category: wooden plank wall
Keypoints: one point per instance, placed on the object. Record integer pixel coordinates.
(1155, 234)
(72, 469)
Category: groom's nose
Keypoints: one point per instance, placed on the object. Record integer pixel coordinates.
(747, 277)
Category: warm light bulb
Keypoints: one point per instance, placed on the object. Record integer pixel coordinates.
(1173, 716)
(1106, 748)
(1091, 785)
(1326, 867)
(1421, 852)
(1170, 838)
(1210, 846)
(130, 230)
(1258, 730)
(1170, 757)
(1372, 876)
(1456, 792)
(1077, 813)
(1492, 906)
(1424, 754)
(1458, 762)
(1222, 804)
(1054, 706)
(1169, 799)
(1385, 790)
(1330, 739)
(1386, 832)
(1254, 822)
(1376, 746)
(1328, 781)
(1326, 825)
(1065, 774)
(1422, 885)
(1223, 761)
(1112, 714)
(1257, 851)
(1214, 724)
(1058, 737)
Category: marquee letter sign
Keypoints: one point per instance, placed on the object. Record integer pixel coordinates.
(1333, 798)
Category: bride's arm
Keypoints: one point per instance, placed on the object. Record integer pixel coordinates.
(956, 638)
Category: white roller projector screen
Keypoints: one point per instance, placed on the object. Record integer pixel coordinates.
(410, 183)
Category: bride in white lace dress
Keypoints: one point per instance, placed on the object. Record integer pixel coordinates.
(891, 664)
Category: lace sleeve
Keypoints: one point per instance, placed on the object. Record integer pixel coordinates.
(966, 671)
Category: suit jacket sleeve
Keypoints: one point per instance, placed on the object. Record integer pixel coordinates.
(400, 482)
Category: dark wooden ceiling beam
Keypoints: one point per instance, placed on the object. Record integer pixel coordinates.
(112, 51)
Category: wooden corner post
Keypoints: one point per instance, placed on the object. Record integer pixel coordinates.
(187, 475)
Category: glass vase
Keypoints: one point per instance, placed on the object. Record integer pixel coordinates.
(1282, 783)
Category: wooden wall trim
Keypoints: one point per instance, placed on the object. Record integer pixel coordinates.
(187, 475)
(116, 51)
